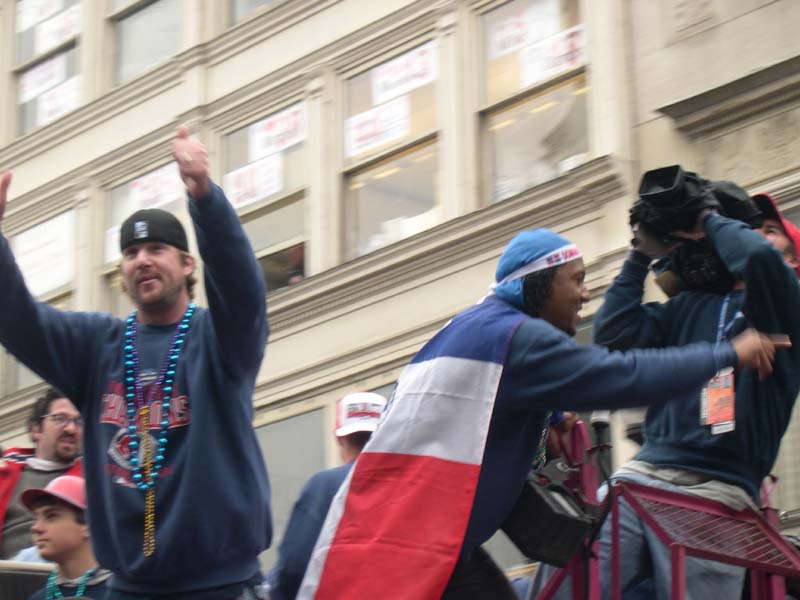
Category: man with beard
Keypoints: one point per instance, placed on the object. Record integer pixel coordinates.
(178, 495)
(56, 428)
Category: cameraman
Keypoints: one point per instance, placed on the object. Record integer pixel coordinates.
(722, 454)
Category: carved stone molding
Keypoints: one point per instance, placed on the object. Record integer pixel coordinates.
(584, 191)
(768, 90)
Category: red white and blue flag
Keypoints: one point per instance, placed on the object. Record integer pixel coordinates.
(396, 526)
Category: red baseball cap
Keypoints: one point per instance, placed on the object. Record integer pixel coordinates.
(769, 209)
(67, 488)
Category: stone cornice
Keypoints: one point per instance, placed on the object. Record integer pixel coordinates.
(740, 100)
(456, 242)
(250, 32)
(88, 116)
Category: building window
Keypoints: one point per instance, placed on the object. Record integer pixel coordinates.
(45, 254)
(294, 449)
(160, 188)
(392, 199)
(534, 122)
(146, 34)
(265, 180)
(390, 151)
(241, 9)
(47, 59)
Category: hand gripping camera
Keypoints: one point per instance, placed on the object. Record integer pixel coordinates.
(670, 200)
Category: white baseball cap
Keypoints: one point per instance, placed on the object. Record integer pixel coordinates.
(359, 412)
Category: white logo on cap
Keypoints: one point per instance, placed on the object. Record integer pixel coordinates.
(140, 229)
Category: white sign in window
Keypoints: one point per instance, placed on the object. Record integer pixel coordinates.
(156, 188)
(255, 181)
(552, 56)
(58, 101)
(30, 12)
(277, 132)
(42, 77)
(45, 253)
(377, 126)
(404, 73)
(60, 28)
(523, 27)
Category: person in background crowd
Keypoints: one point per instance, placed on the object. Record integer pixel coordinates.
(61, 534)
(357, 417)
(688, 448)
(56, 428)
(166, 396)
(465, 423)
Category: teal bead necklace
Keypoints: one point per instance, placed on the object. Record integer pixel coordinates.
(145, 473)
(53, 591)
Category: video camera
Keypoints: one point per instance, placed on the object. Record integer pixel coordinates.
(670, 200)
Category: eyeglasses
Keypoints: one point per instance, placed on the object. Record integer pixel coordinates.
(61, 420)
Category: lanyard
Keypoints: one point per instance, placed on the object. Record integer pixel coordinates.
(722, 328)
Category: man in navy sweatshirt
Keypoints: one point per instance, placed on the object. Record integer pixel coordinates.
(178, 496)
(721, 455)
(465, 423)
(357, 417)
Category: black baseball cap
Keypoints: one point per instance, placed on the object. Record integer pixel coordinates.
(152, 225)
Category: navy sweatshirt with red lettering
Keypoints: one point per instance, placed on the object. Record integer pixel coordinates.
(212, 503)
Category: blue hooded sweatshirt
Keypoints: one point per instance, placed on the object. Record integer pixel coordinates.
(673, 435)
(212, 509)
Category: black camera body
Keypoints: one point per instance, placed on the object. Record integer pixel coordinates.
(670, 200)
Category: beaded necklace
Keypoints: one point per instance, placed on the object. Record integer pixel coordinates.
(52, 591)
(144, 475)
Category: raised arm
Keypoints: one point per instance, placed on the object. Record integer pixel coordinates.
(56, 345)
(622, 321)
(772, 295)
(233, 279)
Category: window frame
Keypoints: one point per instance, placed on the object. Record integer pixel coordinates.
(113, 18)
(487, 108)
(18, 69)
(288, 196)
(424, 137)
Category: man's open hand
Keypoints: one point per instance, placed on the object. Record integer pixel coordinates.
(757, 351)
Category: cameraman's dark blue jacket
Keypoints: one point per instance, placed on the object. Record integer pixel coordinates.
(770, 302)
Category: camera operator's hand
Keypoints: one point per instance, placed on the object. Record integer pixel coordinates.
(698, 231)
(757, 351)
(645, 242)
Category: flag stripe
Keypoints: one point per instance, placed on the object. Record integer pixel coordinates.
(419, 530)
(462, 390)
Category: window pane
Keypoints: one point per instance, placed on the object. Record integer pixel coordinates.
(45, 253)
(392, 200)
(284, 268)
(527, 41)
(266, 159)
(48, 90)
(242, 8)
(392, 103)
(146, 38)
(537, 139)
(294, 449)
(43, 25)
